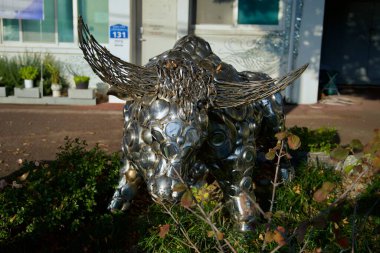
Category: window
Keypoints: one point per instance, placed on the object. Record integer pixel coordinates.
(11, 30)
(58, 23)
(258, 12)
(214, 12)
(237, 12)
(40, 31)
(65, 21)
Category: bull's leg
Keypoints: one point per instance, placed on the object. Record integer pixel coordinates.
(240, 188)
(241, 203)
(230, 154)
(127, 188)
(274, 122)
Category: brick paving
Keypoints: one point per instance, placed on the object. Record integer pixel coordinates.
(34, 132)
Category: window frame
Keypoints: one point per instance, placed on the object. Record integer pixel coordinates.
(236, 28)
(56, 46)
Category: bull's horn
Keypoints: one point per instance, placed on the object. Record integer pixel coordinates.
(231, 94)
(133, 80)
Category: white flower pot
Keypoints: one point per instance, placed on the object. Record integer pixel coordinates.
(28, 83)
(56, 89)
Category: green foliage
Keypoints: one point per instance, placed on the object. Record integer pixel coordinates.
(28, 72)
(305, 208)
(167, 220)
(318, 140)
(9, 72)
(81, 79)
(300, 220)
(63, 197)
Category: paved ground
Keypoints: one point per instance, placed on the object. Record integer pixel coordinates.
(34, 132)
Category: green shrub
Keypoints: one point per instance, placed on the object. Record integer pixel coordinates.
(323, 139)
(64, 198)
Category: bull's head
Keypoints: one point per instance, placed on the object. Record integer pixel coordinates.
(170, 102)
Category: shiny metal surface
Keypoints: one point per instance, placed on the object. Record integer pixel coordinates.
(190, 114)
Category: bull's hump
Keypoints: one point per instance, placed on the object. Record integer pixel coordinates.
(198, 51)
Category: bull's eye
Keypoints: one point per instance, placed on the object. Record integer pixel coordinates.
(248, 155)
(218, 138)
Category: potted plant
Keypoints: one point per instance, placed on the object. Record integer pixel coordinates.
(81, 82)
(28, 73)
(56, 87)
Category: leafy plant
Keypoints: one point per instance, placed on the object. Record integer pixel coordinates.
(28, 72)
(53, 68)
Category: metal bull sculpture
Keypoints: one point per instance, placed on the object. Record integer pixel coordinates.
(187, 114)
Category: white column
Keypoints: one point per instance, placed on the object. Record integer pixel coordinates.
(305, 89)
(119, 14)
(183, 18)
(119, 38)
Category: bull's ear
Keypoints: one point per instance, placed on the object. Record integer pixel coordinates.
(231, 94)
(129, 79)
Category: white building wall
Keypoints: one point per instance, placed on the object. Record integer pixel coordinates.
(242, 47)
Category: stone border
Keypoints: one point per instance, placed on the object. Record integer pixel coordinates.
(27, 93)
(81, 93)
(47, 100)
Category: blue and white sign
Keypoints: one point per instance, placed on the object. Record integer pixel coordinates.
(119, 31)
(22, 9)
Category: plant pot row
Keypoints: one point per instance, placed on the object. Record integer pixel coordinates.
(56, 88)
